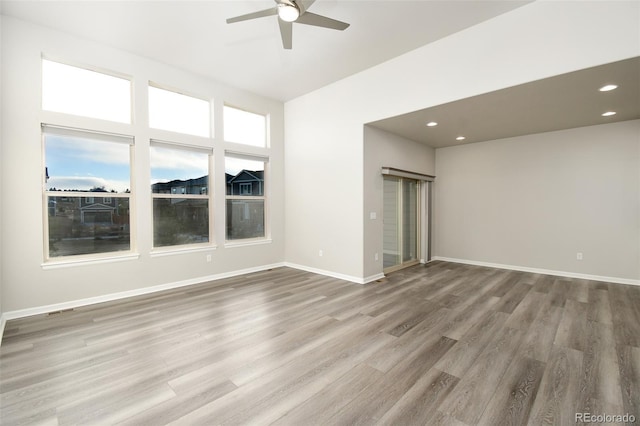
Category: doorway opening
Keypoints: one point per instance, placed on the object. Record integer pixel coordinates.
(401, 223)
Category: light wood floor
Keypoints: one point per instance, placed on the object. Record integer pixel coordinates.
(439, 344)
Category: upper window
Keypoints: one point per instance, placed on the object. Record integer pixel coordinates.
(244, 127)
(79, 91)
(179, 113)
(180, 188)
(87, 192)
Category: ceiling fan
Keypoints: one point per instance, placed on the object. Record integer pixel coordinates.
(290, 11)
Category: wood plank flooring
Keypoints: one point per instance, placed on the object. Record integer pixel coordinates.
(436, 344)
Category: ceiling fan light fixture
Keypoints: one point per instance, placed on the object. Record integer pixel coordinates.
(288, 12)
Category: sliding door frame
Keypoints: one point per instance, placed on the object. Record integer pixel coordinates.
(423, 216)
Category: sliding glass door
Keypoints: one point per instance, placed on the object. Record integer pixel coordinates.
(401, 223)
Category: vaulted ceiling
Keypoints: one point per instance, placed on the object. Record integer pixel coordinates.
(194, 35)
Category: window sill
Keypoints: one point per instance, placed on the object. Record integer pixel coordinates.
(67, 263)
(183, 250)
(245, 243)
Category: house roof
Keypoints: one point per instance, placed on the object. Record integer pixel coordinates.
(97, 207)
(252, 174)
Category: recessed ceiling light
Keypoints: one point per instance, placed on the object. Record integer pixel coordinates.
(608, 113)
(432, 123)
(608, 87)
(460, 138)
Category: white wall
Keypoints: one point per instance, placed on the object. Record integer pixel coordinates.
(538, 200)
(25, 283)
(384, 149)
(1, 184)
(324, 156)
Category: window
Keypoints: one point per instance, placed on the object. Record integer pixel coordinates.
(179, 113)
(80, 165)
(244, 127)
(78, 91)
(106, 200)
(180, 191)
(245, 196)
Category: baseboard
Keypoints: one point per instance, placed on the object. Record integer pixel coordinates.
(541, 271)
(22, 313)
(39, 310)
(351, 278)
(372, 278)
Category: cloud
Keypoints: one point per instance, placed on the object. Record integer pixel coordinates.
(169, 164)
(86, 183)
(89, 150)
(235, 165)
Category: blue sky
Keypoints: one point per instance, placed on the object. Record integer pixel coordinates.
(168, 164)
(82, 164)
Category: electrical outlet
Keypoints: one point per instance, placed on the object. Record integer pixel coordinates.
(320, 253)
(375, 256)
(578, 256)
(208, 258)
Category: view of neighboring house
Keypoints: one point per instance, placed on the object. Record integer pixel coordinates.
(97, 210)
(246, 182)
(97, 220)
(90, 210)
(183, 220)
(180, 220)
(245, 213)
(177, 187)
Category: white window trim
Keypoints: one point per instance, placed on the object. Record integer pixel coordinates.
(67, 262)
(266, 198)
(92, 257)
(247, 242)
(181, 248)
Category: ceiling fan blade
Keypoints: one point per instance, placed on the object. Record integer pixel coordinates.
(304, 5)
(309, 18)
(254, 15)
(286, 31)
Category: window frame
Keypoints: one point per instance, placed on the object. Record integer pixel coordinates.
(265, 198)
(209, 196)
(49, 260)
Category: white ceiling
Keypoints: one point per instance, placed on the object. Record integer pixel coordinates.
(194, 36)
